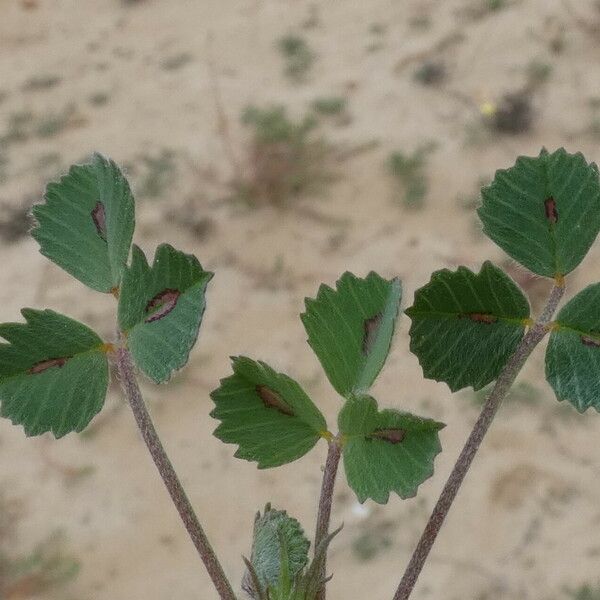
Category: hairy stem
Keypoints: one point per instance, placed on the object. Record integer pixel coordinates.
(325, 502)
(505, 380)
(167, 472)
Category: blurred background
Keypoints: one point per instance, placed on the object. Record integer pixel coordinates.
(285, 142)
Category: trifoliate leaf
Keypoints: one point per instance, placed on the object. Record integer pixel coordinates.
(86, 224)
(466, 325)
(279, 552)
(350, 329)
(161, 308)
(386, 451)
(266, 413)
(53, 373)
(573, 353)
(544, 211)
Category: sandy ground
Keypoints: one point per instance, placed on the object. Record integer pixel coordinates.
(134, 80)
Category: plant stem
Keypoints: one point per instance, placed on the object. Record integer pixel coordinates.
(325, 502)
(505, 380)
(167, 472)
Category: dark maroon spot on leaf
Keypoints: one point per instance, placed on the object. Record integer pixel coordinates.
(161, 305)
(371, 327)
(551, 210)
(482, 318)
(44, 365)
(99, 218)
(272, 399)
(393, 436)
(589, 341)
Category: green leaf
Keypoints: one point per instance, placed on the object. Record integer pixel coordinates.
(350, 329)
(161, 308)
(573, 353)
(279, 551)
(266, 413)
(544, 211)
(53, 373)
(86, 224)
(465, 325)
(386, 451)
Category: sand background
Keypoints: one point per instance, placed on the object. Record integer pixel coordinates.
(137, 80)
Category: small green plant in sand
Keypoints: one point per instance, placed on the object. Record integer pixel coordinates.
(41, 83)
(285, 158)
(410, 176)
(23, 125)
(298, 56)
(330, 106)
(47, 567)
(585, 592)
(469, 329)
(159, 171)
